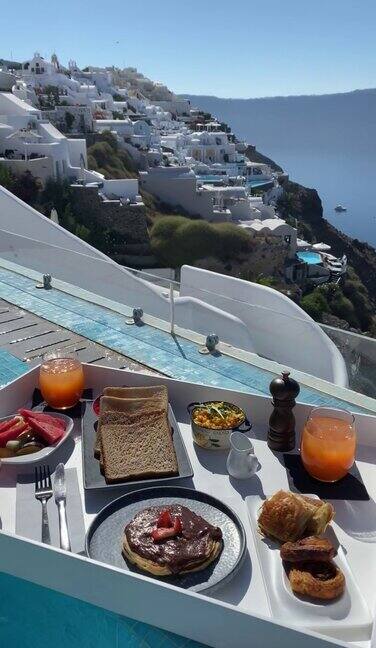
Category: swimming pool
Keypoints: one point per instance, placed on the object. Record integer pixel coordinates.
(312, 258)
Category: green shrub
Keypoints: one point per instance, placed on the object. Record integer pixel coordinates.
(69, 120)
(232, 240)
(6, 177)
(342, 307)
(315, 304)
(177, 240)
(82, 232)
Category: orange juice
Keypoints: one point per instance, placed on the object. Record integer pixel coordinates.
(61, 381)
(328, 447)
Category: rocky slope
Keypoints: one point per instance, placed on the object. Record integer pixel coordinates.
(305, 205)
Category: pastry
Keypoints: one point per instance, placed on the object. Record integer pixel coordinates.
(322, 514)
(319, 580)
(311, 549)
(171, 540)
(287, 516)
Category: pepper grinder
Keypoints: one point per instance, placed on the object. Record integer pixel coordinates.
(281, 435)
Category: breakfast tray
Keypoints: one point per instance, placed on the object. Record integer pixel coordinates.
(236, 614)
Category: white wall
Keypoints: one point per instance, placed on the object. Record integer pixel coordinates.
(123, 188)
(280, 330)
(120, 126)
(177, 186)
(31, 240)
(76, 148)
(12, 105)
(42, 168)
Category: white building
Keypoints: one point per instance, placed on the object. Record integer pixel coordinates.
(25, 138)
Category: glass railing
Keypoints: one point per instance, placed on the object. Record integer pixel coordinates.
(359, 353)
(240, 323)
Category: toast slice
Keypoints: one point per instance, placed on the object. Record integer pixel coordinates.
(136, 392)
(130, 399)
(137, 446)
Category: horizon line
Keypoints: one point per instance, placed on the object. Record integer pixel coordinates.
(289, 96)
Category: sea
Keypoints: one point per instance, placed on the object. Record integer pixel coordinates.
(338, 179)
(327, 142)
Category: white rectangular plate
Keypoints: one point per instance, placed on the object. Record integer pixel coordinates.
(347, 615)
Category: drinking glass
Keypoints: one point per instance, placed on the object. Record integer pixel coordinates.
(61, 379)
(328, 443)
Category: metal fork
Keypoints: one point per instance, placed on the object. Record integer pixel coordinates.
(43, 492)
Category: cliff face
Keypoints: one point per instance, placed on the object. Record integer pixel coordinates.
(305, 205)
(255, 156)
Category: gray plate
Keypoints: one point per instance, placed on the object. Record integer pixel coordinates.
(105, 534)
(92, 476)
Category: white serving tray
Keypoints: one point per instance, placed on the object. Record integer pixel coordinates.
(237, 615)
(347, 616)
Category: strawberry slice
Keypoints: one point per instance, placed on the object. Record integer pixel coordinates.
(49, 433)
(44, 418)
(161, 534)
(165, 520)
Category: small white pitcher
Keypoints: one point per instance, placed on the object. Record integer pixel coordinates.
(241, 461)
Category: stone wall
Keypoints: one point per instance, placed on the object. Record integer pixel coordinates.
(128, 221)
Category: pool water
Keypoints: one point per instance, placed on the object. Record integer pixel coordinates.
(312, 258)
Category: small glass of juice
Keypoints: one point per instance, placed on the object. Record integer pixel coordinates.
(61, 379)
(328, 443)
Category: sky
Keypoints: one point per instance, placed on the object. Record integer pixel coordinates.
(244, 48)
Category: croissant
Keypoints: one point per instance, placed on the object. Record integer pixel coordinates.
(288, 517)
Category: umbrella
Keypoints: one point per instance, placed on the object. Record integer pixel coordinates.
(321, 247)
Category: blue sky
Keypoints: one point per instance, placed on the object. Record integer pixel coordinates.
(246, 48)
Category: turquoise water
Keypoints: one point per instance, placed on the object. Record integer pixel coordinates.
(35, 617)
(10, 368)
(257, 183)
(312, 258)
(212, 178)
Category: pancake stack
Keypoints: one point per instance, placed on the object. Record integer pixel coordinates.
(193, 548)
(134, 435)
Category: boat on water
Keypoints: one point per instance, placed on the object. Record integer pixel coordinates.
(340, 208)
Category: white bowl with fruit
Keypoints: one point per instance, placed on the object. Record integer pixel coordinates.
(29, 436)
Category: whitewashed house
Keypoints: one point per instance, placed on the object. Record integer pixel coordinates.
(29, 142)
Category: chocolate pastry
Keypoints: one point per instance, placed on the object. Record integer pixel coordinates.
(311, 549)
(288, 516)
(192, 549)
(320, 580)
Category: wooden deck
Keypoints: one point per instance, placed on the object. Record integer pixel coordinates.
(29, 337)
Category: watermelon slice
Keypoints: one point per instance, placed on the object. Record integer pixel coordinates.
(49, 433)
(43, 418)
(13, 433)
(6, 425)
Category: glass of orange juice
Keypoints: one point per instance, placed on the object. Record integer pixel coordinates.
(328, 443)
(61, 379)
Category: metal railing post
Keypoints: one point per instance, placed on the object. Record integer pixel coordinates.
(172, 309)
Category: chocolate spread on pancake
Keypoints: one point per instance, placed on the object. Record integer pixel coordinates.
(187, 550)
